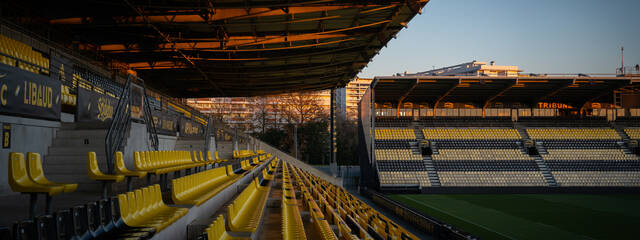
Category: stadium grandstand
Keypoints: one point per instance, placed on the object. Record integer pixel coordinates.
(98, 143)
(523, 133)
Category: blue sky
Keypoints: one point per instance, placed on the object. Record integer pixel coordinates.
(542, 36)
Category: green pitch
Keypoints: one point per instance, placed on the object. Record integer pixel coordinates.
(534, 216)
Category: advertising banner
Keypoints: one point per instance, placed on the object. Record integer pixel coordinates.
(137, 101)
(190, 128)
(27, 94)
(165, 123)
(94, 107)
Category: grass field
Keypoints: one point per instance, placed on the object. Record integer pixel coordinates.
(534, 216)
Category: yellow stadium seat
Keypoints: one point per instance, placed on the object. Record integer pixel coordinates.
(19, 180)
(245, 212)
(217, 231)
(145, 208)
(197, 188)
(96, 174)
(37, 173)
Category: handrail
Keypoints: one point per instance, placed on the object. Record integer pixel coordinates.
(148, 119)
(207, 134)
(120, 124)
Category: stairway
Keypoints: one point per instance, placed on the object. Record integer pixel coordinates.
(428, 163)
(546, 173)
(540, 148)
(66, 161)
(431, 170)
(620, 130)
(521, 129)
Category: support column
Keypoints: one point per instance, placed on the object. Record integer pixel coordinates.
(295, 139)
(235, 138)
(333, 165)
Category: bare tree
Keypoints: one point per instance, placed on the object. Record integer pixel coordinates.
(301, 107)
(260, 113)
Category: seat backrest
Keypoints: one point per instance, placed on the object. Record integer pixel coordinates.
(18, 172)
(34, 167)
(80, 220)
(92, 165)
(46, 225)
(157, 193)
(140, 203)
(93, 216)
(26, 229)
(64, 224)
(120, 167)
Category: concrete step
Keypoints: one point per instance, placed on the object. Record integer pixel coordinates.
(82, 133)
(84, 149)
(70, 159)
(66, 169)
(72, 142)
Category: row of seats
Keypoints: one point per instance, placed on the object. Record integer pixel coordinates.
(633, 133)
(145, 208)
(394, 133)
(597, 178)
(581, 165)
(501, 122)
(292, 225)
(588, 154)
(573, 133)
(401, 165)
(197, 188)
(491, 178)
(137, 214)
(489, 165)
(404, 178)
(101, 219)
(353, 218)
(243, 153)
(470, 133)
(393, 144)
(322, 211)
(245, 211)
(396, 154)
(161, 162)
(481, 154)
(37, 62)
(393, 121)
(27, 176)
(580, 144)
(68, 98)
(477, 144)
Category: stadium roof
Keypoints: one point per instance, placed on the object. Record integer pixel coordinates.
(483, 90)
(203, 48)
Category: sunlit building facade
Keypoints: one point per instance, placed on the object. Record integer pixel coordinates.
(242, 112)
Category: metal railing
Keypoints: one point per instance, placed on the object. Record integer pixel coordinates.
(120, 125)
(148, 119)
(628, 70)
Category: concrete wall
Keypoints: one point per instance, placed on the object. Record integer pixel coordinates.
(167, 143)
(139, 141)
(225, 149)
(27, 135)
